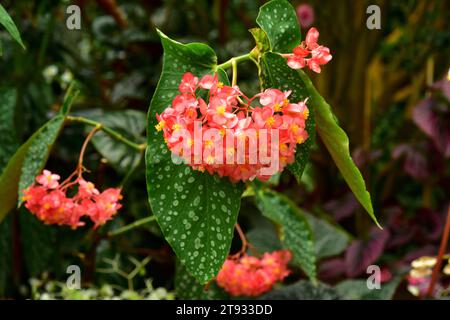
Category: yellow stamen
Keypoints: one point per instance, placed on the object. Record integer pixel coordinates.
(306, 113)
(270, 121)
(300, 139)
(294, 128)
(277, 107)
(220, 110)
(209, 159)
(209, 143)
(160, 125)
(176, 127)
(230, 151)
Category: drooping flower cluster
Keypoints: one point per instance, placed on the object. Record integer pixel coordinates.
(225, 134)
(49, 202)
(309, 53)
(250, 276)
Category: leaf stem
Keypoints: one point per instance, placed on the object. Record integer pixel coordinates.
(130, 226)
(228, 64)
(234, 66)
(442, 248)
(114, 134)
(83, 149)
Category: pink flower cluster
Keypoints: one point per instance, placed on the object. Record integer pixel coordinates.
(250, 276)
(309, 53)
(49, 202)
(229, 112)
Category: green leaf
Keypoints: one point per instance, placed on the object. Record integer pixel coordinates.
(329, 240)
(8, 138)
(187, 287)
(8, 23)
(40, 147)
(296, 234)
(261, 40)
(6, 250)
(39, 244)
(358, 290)
(303, 290)
(264, 238)
(129, 123)
(277, 74)
(279, 20)
(336, 141)
(196, 211)
(29, 159)
(37, 154)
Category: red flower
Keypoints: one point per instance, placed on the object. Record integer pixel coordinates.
(318, 55)
(49, 202)
(251, 276)
(226, 135)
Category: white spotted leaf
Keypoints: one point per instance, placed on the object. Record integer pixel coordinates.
(196, 211)
(279, 21)
(30, 158)
(296, 234)
(275, 73)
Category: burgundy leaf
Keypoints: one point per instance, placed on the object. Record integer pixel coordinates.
(430, 225)
(343, 207)
(428, 250)
(443, 86)
(362, 253)
(415, 163)
(433, 119)
(332, 269)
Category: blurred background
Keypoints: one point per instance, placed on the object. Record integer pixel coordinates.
(389, 88)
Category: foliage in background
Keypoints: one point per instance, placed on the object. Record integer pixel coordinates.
(115, 59)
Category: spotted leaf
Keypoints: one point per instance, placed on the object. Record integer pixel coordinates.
(279, 20)
(276, 74)
(196, 211)
(296, 234)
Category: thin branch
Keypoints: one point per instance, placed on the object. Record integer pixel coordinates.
(442, 248)
(131, 226)
(114, 134)
(228, 64)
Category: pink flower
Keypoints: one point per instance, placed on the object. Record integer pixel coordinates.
(50, 203)
(305, 14)
(87, 188)
(274, 98)
(106, 206)
(229, 116)
(252, 276)
(309, 53)
(208, 81)
(188, 83)
(265, 118)
(48, 179)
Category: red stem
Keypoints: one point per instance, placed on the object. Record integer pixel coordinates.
(442, 249)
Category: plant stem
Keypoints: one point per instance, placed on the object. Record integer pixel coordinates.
(442, 248)
(111, 132)
(130, 226)
(234, 66)
(83, 149)
(229, 63)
